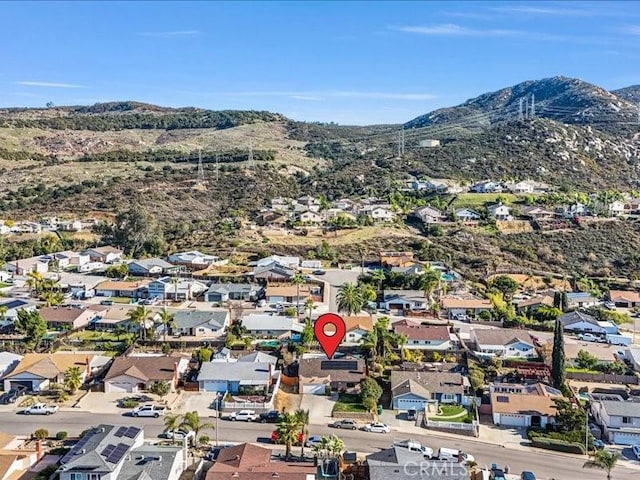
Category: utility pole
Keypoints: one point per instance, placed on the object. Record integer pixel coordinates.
(200, 179)
(638, 112)
(533, 105)
(217, 167)
(402, 140)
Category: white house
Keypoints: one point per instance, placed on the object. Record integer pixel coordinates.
(184, 289)
(430, 214)
(581, 322)
(288, 262)
(195, 259)
(13, 306)
(404, 300)
(581, 300)
(486, 187)
(382, 214)
(616, 208)
(202, 323)
(271, 325)
(620, 419)
(464, 306)
(504, 343)
(429, 143)
(500, 212)
(357, 326)
(425, 337)
(467, 215)
(106, 254)
(524, 186)
(524, 409)
(310, 217)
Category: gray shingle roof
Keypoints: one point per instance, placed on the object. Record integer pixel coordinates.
(251, 373)
(433, 382)
(191, 319)
(258, 357)
(576, 317)
(621, 409)
(156, 464)
(401, 464)
(148, 263)
(232, 288)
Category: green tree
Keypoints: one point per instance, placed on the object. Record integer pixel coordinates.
(586, 360)
(307, 335)
(41, 434)
(172, 423)
(557, 357)
(35, 281)
(429, 281)
(302, 416)
(73, 378)
(288, 430)
(505, 284)
(603, 460)
(349, 299)
(309, 305)
(119, 330)
(379, 277)
(167, 322)
(545, 313)
(139, 316)
(133, 228)
(370, 393)
(191, 421)
(298, 281)
(117, 271)
(32, 326)
(203, 354)
(367, 292)
(160, 388)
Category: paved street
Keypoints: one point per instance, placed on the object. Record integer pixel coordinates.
(547, 465)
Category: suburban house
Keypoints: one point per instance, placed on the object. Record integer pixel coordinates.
(532, 406)
(537, 213)
(27, 265)
(252, 462)
(266, 325)
(504, 343)
(238, 378)
(13, 306)
(486, 186)
(430, 214)
(380, 214)
(500, 212)
(625, 298)
(273, 271)
(418, 389)
(581, 300)
(67, 317)
(112, 288)
(134, 374)
(287, 293)
(117, 315)
(415, 268)
(615, 208)
(152, 266)
(530, 305)
(401, 300)
(288, 262)
(104, 254)
(318, 373)
(357, 326)
(398, 463)
(310, 217)
(435, 338)
(17, 456)
(467, 215)
(195, 259)
(619, 419)
(37, 371)
(8, 361)
(224, 292)
(464, 306)
(200, 323)
(581, 322)
(165, 288)
(112, 452)
(397, 259)
(571, 211)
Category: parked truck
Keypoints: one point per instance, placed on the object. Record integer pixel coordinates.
(619, 340)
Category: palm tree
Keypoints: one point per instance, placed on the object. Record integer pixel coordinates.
(191, 421)
(172, 423)
(379, 276)
(73, 378)
(3, 311)
(336, 445)
(175, 281)
(604, 460)
(297, 280)
(119, 330)
(370, 343)
(349, 299)
(288, 429)
(35, 281)
(302, 416)
(429, 281)
(166, 319)
(309, 305)
(139, 316)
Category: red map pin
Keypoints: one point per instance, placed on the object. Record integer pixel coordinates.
(329, 340)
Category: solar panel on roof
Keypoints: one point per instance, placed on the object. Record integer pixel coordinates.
(108, 450)
(121, 431)
(132, 432)
(76, 448)
(339, 365)
(118, 453)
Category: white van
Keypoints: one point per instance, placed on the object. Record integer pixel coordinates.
(453, 455)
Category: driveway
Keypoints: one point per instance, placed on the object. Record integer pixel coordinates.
(320, 408)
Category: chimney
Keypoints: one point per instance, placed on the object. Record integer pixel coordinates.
(39, 452)
(88, 369)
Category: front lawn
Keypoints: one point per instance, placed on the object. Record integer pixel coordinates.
(95, 336)
(450, 413)
(349, 403)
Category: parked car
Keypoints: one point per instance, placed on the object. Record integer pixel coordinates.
(107, 303)
(588, 337)
(377, 428)
(610, 305)
(461, 317)
(412, 414)
(313, 441)
(636, 451)
(347, 424)
(453, 454)
(497, 474)
(244, 416)
(527, 476)
(12, 395)
(148, 411)
(318, 272)
(598, 444)
(270, 417)
(276, 439)
(40, 409)
(415, 446)
(178, 434)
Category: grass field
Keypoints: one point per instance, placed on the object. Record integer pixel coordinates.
(349, 403)
(480, 199)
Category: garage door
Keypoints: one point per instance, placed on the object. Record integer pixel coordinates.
(625, 438)
(406, 404)
(213, 386)
(314, 389)
(513, 420)
(21, 383)
(119, 387)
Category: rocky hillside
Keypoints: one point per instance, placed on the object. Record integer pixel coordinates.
(630, 94)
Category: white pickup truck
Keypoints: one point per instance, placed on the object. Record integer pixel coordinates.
(148, 411)
(40, 409)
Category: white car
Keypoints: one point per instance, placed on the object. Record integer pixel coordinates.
(377, 428)
(244, 416)
(313, 441)
(415, 446)
(148, 411)
(40, 409)
(178, 434)
(636, 451)
(588, 337)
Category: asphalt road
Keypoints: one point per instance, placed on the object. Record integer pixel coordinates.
(546, 465)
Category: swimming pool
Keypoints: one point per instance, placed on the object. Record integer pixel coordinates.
(447, 277)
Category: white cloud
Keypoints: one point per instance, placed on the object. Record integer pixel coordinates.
(630, 29)
(306, 97)
(170, 34)
(451, 29)
(531, 10)
(49, 84)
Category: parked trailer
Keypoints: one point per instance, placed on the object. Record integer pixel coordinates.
(619, 340)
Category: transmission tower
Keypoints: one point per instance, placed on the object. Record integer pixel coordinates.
(521, 113)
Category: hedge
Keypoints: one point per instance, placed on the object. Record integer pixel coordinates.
(557, 445)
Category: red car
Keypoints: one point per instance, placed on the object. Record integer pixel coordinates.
(275, 439)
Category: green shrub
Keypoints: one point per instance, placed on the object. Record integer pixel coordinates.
(129, 403)
(61, 436)
(558, 445)
(41, 433)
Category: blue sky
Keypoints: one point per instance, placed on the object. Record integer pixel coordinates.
(348, 62)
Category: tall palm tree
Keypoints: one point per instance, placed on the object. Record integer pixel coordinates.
(288, 430)
(73, 378)
(166, 319)
(370, 343)
(336, 445)
(379, 276)
(604, 460)
(172, 422)
(297, 280)
(349, 299)
(429, 281)
(139, 316)
(302, 416)
(309, 305)
(192, 421)
(35, 280)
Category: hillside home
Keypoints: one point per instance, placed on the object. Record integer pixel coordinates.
(530, 407)
(310, 217)
(530, 305)
(418, 389)
(537, 213)
(111, 288)
(67, 317)
(151, 267)
(500, 212)
(309, 202)
(203, 323)
(625, 298)
(505, 343)
(133, 374)
(380, 214)
(112, 452)
(571, 211)
(195, 259)
(430, 214)
(318, 374)
(273, 271)
(486, 186)
(166, 288)
(581, 322)
(467, 215)
(520, 187)
(281, 204)
(581, 300)
(615, 208)
(619, 419)
(224, 292)
(401, 300)
(455, 307)
(27, 265)
(436, 338)
(357, 326)
(288, 262)
(344, 204)
(106, 254)
(287, 294)
(237, 378)
(36, 371)
(396, 259)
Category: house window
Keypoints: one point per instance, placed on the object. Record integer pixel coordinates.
(626, 420)
(93, 476)
(75, 476)
(448, 397)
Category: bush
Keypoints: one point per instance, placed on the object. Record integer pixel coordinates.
(41, 434)
(61, 436)
(557, 445)
(129, 403)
